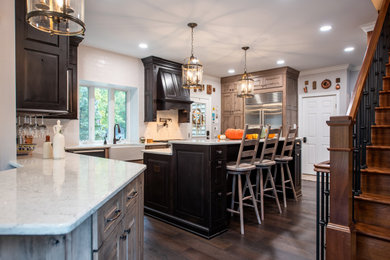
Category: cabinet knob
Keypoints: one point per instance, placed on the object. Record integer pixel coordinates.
(218, 151)
(219, 194)
(128, 231)
(123, 236)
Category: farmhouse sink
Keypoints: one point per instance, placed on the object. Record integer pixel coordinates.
(126, 152)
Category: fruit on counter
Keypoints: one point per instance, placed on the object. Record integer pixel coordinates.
(221, 137)
(234, 134)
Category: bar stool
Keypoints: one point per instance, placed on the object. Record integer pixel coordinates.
(283, 159)
(243, 167)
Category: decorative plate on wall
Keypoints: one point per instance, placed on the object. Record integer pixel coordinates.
(326, 83)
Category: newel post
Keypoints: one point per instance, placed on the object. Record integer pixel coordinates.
(340, 240)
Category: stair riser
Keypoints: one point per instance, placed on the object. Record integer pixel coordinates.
(371, 248)
(372, 213)
(378, 158)
(376, 183)
(384, 100)
(380, 136)
(388, 70)
(386, 84)
(382, 117)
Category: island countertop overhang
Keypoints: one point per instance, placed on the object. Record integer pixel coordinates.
(53, 197)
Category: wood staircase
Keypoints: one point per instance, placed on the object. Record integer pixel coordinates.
(372, 207)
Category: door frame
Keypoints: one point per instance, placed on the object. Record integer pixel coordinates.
(314, 95)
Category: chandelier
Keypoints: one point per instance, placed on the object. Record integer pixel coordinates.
(60, 17)
(192, 69)
(245, 87)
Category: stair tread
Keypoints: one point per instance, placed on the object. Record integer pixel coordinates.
(382, 108)
(380, 126)
(373, 231)
(383, 199)
(376, 170)
(378, 147)
(384, 92)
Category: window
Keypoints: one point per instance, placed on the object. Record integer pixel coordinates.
(198, 116)
(100, 110)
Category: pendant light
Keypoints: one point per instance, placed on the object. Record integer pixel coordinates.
(245, 87)
(192, 69)
(60, 17)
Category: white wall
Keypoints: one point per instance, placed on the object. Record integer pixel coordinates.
(319, 75)
(113, 69)
(7, 77)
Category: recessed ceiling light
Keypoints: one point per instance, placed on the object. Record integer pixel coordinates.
(143, 45)
(349, 49)
(231, 71)
(280, 62)
(325, 28)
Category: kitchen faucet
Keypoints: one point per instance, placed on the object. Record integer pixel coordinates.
(119, 131)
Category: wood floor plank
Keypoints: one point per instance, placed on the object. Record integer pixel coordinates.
(290, 235)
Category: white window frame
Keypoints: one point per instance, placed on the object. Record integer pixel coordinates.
(111, 113)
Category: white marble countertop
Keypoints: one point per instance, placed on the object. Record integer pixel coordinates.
(165, 151)
(52, 197)
(104, 146)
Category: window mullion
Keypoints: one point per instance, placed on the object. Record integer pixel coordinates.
(111, 113)
(91, 114)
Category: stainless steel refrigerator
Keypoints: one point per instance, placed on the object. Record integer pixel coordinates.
(264, 109)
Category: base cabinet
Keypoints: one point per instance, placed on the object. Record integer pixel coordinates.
(114, 231)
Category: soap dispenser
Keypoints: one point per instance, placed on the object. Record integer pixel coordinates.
(58, 142)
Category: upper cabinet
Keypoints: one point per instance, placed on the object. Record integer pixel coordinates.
(163, 89)
(46, 69)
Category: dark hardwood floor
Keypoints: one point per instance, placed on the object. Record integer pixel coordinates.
(290, 235)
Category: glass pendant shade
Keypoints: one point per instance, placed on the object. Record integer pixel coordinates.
(192, 70)
(246, 84)
(60, 17)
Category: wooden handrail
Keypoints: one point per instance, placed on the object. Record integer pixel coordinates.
(322, 167)
(369, 55)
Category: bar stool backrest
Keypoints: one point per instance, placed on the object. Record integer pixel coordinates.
(250, 153)
(270, 144)
(289, 141)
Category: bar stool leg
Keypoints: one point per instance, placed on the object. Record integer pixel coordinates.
(269, 175)
(257, 184)
(283, 186)
(261, 193)
(233, 193)
(240, 204)
(248, 180)
(291, 182)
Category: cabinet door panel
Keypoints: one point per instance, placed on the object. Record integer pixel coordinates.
(238, 121)
(190, 186)
(112, 248)
(227, 103)
(238, 103)
(157, 184)
(130, 231)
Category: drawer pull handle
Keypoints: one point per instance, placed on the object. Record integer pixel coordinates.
(218, 151)
(128, 231)
(123, 237)
(219, 194)
(132, 195)
(117, 215)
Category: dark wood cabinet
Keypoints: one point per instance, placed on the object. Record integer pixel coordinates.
(158, 182)
(46, 69)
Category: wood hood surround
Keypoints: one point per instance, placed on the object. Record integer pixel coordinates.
(163, 89)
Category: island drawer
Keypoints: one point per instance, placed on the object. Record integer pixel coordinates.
(107, 218)
(218, 152)
(130, 194)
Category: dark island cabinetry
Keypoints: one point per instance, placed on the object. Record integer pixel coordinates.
(188, 187)
(46, 69)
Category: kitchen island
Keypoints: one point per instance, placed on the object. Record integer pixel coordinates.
(186, 186)
(80, 207)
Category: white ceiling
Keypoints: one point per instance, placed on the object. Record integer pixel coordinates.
(274, 29)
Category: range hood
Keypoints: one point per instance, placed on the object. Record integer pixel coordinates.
(163, 90)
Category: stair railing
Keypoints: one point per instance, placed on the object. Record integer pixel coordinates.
(322, 215)
(349, 137)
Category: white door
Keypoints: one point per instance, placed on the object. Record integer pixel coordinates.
(315, 112)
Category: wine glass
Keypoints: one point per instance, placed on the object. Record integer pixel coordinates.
(43, 129)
